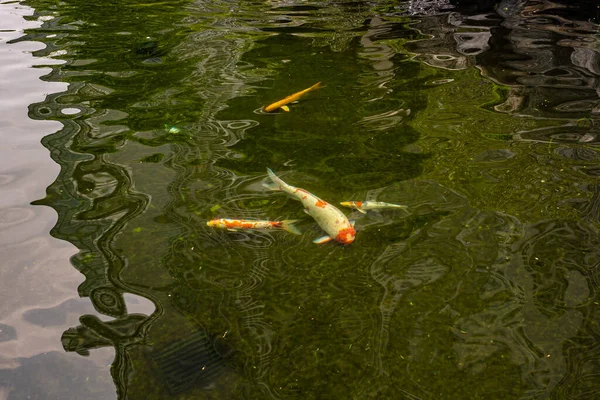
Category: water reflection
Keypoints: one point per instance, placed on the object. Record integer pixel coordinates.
(543, 54)
(486, 285)
(38, 296)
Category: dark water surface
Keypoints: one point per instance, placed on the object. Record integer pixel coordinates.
(482, 119)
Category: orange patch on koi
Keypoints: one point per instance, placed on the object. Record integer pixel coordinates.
(321, 203)
(239, 224)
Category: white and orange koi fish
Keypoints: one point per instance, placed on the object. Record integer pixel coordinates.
(292, 97)
(329, 218)
(363, 206)
(236, 224)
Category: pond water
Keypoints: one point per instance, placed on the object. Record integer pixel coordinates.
(481, 117)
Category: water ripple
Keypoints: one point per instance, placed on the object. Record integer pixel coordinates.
(486, 272)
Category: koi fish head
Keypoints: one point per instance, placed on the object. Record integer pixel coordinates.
(216, 223)
(346, 235)
(352, 204)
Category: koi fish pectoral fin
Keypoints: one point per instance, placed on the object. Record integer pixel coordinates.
(285, 108)
(352, 223)
(232, 230)
(360, 210)
(322, 239)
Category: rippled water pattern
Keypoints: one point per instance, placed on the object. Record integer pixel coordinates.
(483, 120)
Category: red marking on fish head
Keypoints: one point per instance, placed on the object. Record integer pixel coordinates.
(321, 203)
(358, 203)
(346, 235)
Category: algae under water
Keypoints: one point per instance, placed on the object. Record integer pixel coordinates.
(481, 119)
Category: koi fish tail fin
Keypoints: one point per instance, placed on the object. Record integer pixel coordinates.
(317, 85)
(405, 209)
(289, 226)
(271, 186)
(276, 183)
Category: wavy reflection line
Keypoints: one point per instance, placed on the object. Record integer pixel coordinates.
(380, 54)
(389, 299)
(253, 315)
(385, 120)
(582, 374)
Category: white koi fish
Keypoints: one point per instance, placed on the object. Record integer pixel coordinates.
(235, 224)
(363, 206)
(328, 217)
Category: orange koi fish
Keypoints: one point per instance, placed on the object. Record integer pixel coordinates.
(363, 206)
(235, 224)
(293, 97)
(328, 217)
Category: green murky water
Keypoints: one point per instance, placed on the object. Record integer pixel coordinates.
(483, 123)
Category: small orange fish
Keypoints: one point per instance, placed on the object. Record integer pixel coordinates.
(293, 97)
(235, 224)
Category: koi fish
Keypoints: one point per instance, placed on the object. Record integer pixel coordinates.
(293, 97)
(235, 224)
(363, 206)
(327, 216)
